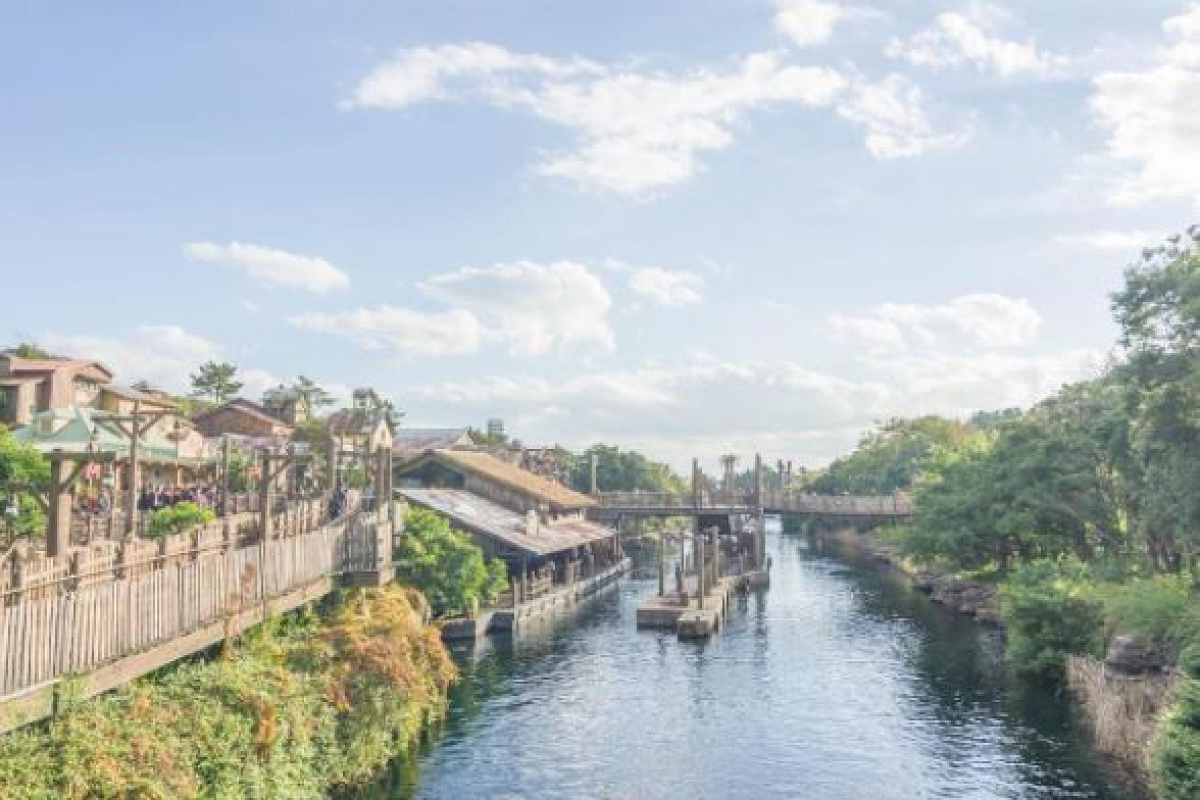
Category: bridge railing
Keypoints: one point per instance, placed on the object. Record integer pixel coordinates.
(786, 500)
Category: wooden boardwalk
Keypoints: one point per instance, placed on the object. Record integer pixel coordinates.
(120, 609)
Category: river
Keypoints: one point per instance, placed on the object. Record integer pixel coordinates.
(837, 682)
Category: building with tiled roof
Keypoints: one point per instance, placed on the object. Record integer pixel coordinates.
(29, 386)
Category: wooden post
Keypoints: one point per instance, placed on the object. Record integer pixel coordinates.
(697, 551)
(131, 501)
(592, 485)
(760, 533)
(225, 461)
(662, 562)
(331, 464)
(58, 537)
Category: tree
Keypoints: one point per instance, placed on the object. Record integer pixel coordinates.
(216, 380)
(620, 471)
(1159, 315)
(21, 464)
(890, 457)
(29, 350)
(445, 565)
(315, 397)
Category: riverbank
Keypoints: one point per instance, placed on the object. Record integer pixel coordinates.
(1122, 708)
(307, 703)
(964, 596)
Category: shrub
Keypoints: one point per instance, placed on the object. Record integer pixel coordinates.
(1050, 613)
(178, 518)
(446, 565)
(1177, 759)
(1156, 608)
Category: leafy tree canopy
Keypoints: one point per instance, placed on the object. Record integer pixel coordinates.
(217, 380)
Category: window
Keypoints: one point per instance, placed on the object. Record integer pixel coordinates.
(8, 404)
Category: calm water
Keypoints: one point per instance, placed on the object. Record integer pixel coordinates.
(838, 682)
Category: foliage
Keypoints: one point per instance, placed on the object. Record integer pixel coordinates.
(446, 565)
(1161, 609)
(22, 464)
(620, 471)
(217, 380)
(314, 395)
(178, 518)
(891, 457)
(1050, 613)
(298, 708)
(241, 472)
(1177, 755)
(28, 349)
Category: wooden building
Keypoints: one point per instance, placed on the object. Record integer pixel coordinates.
(29, 386)
(528, 521)
(241, 417)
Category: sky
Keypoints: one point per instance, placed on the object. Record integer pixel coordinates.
(688, 228)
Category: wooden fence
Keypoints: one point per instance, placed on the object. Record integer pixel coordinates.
(73, 614)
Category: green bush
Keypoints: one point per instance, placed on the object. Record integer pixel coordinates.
(178, 518)
(1189, 662)
(1177, 758)
(1050, 613)
(446, 565)
(1159, 609)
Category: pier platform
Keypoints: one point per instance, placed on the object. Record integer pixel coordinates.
(684, 614)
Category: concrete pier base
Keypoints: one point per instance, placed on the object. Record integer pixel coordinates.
(684, 615)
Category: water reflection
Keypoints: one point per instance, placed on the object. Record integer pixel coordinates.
(839, 682)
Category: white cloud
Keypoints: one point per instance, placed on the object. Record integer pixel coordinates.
(668, 287)
(639, 131)
(404, 330)
(273, 267)
(979, 320)
(434, 73)
(704, 406)
(811, 22)
(1152, 118)
(1126, 241)
(892, 112)
(968, 37)
(531, 307)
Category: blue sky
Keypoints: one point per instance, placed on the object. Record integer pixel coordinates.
(685, 227)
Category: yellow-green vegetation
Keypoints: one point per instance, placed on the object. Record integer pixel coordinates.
(305, 704)
(179, 518)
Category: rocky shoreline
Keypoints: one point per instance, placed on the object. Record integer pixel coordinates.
(970, 598)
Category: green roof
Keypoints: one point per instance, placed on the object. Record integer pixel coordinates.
(74, 430)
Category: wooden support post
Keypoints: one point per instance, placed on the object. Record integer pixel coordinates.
(698, 550)
(226, 458)
(662, 562)
(58, 537)
(131, 500)
(592, 463)
(760, 533)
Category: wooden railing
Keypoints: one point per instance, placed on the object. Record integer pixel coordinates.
(75, 613)
(772, 500)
